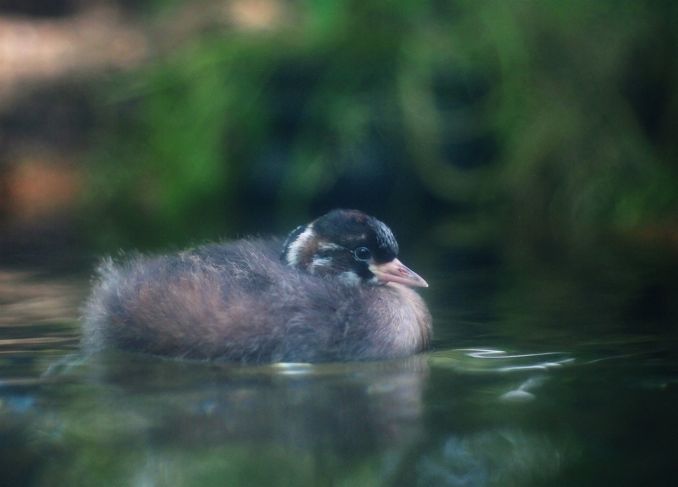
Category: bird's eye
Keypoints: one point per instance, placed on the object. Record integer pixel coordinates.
(362, 253)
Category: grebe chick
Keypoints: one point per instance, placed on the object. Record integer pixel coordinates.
(337, 292)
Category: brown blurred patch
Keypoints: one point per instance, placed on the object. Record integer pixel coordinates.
(664, 235)
(43, 50)
(255, 14)
(38, 187)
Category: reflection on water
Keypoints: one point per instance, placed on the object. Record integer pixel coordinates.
(27, 298)
(183, 421)
(599, 414)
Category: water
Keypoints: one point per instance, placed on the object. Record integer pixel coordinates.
(559, 379)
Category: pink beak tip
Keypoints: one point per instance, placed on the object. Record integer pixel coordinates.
(396, 271)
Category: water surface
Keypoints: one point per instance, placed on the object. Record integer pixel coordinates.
(531, 383)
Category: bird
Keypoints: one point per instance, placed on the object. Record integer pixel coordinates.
(333, 291)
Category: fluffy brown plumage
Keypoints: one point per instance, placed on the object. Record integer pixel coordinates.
(336, 293)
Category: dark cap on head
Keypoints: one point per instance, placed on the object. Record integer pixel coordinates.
(351, 228)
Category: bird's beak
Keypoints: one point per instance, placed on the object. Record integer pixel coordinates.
(396, 271)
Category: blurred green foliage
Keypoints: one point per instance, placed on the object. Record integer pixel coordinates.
(551, 119)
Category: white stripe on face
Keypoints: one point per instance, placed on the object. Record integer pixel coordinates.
(295, 250)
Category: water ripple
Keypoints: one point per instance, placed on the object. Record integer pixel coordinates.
(494, 360)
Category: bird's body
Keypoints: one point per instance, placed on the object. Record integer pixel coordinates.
(241, 302)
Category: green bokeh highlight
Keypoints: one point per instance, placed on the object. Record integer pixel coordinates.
(547, 119)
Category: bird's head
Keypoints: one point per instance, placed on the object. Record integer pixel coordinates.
(350, 245)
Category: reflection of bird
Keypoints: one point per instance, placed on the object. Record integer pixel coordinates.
(337, 292)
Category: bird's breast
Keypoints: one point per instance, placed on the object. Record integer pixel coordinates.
(402, 320)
